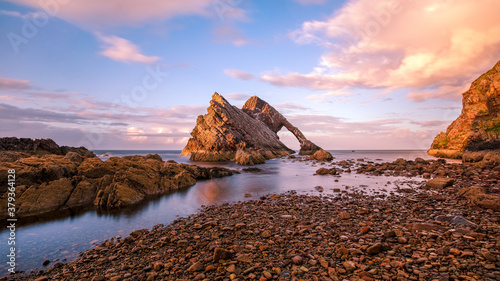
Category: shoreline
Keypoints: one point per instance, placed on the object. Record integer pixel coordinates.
(289, 236)
(402, 169)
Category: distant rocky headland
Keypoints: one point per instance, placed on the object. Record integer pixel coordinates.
(475, 134)
(50, 177)
(247, 136)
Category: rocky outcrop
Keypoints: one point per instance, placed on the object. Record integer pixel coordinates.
(247, 135)
(275, 121)
(478, 196)
(54, 182)
(12, 148)
(226, 131)
(478, 126)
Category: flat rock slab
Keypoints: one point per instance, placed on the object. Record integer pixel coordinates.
(439, 183)
(456, 220)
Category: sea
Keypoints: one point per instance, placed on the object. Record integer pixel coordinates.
(61, 237)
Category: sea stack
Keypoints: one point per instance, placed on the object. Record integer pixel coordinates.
(477, 129)
(267, 114)
(248, 135)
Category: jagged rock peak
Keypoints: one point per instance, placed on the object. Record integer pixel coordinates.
(225, 129)
(478, 126)
(262, 111)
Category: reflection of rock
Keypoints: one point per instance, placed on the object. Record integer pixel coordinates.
(478, 126)
(264, 112)
(53, 182)
(225, 129)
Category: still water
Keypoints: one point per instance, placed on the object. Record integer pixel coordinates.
(61, 237)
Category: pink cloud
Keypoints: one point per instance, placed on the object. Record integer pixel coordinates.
(238, 74)
(96, 14)
(428, 46)
(122, 50)
(13, 84)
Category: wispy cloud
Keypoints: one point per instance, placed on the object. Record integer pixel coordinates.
(432, 48)
(122, 50)
(237, 96)
(13, 84)
(333, 132)
(329, 94)
(238, 74)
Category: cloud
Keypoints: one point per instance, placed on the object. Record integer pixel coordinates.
(70, 118)
(331, 132)
(329, 94)
(238, 74)
(432, 48)
(13, 84)
(11, 13)
(288, 107)
(99, 15)
(10, 112)
(228, 33)
(237, 96)
(96, 14)
(122, 50)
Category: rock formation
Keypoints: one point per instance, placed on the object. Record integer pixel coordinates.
(56, 182)
(478, 126)
(264, 112)
(12, 148)
(246, 135)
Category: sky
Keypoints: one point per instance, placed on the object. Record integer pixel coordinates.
(352, 74)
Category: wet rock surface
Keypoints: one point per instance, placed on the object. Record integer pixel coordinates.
(53, 182)
(300, 237)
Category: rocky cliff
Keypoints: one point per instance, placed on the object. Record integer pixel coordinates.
(267, 114)
(12, 148)
(53, 182)
(227, 133)
(478, 126)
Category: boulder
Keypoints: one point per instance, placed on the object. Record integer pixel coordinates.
(439, 183)
(322, 155)
(478, 196)
(478, 126)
